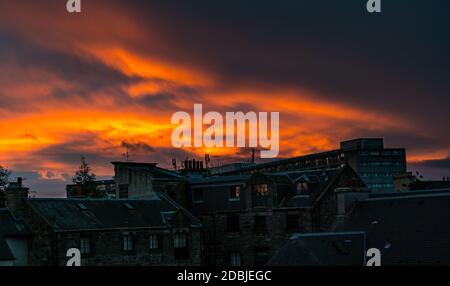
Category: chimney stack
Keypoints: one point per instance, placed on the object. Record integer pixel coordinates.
(15, 197)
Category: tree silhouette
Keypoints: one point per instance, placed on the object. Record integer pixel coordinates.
(85, 180)
(4, 179)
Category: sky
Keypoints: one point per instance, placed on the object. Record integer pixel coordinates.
(108, 80)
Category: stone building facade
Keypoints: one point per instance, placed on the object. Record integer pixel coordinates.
(247, 218)
(154, 231)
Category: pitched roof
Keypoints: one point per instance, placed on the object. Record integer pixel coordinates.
(85, 214)
(409, 229)
(5, 252)
(322, 249)
(10, 226)
(217, 180)
(318, 181)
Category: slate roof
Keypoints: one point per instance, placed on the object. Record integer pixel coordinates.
(214, 180)
(322, 249)
(10, 227)
(85, 214)
(5, 252)
(318, 180)
(409, 229)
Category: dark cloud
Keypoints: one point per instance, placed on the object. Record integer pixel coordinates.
(81, 145)
(443, 163)
(138, 147)
(397, 62)
(84, 71)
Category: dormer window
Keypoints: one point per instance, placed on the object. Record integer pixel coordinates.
(261, 190)
(302, 188)
(197, 195)
(235, 193)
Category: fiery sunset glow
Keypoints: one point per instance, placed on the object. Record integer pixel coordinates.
(108, 80)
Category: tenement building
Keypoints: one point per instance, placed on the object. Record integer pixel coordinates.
(154, 231)
(246, 218)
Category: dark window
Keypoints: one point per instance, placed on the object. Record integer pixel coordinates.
(197, 195)
(128, 242)
(85, 245)
(235, 259)
(292, 224)
(260, 225)
(181, 250)
(261, 256)
(232, 223)
(154, 242)
(235, 193)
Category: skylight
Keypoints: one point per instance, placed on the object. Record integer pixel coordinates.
(128, 206)
(82, 207)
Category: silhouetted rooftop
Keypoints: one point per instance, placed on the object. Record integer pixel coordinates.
(85, 214)
(322, 249)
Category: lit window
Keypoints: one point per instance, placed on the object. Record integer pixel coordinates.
(128, 242)
(235, 193)
(262, 190)
(302, 187)
(85, 245)
(153, 241)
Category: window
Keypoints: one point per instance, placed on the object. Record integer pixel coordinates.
(153, 242)
(292, 224)
(197, 195)
(128, 206)
(232, 223)
(261, 190)
(260, 224)
(235, 193)
(235, 259)
(181, 250)
(179, 240)
(85, 245)
(261, 256)
(128, 244)
(302, 188)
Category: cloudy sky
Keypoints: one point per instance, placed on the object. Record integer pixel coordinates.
(110, 78)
